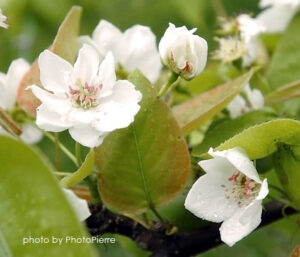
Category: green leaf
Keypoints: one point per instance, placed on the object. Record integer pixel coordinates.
(287, 165)
(285, 66)
(284, 93)
(33, 205)
(65, 45)
(261, 140)
(85, 169)
(146, 164)
(227, 129)
(196, 111)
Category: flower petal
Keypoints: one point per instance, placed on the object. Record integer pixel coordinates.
(79, 205)
(207, 198)
(277, 17)
(237, 107)
(87, 135)
(138, 51)
(264, 190)
(86, 65)
(239, 159)
(241, 224)
(54, 72)
(107, 38)
(49, 120)
(107, 75)
(119, 109)
(31, 134)
(255, 97)
(200, 49)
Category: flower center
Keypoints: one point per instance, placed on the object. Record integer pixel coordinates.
(242, 189)
(84, 96)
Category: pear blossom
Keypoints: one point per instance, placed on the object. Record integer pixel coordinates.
(134, 49)
(85, 98)
(250, 29)
(79, 205)
(3, 20)
(182, 51)
(253, 100)
(230, 49)
(230, 192)
(277, 14)
(9, 84)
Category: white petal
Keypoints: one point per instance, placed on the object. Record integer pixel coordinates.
(237, 107)
(107, 38)
(255, 98)
(207, 198)
(239, 159)
(241, 224)
(138, 51)
(264, 190)
(31, 134)
(79, 205)
(107, 75)
(218, 167)
(3, 20)
(50, 120)
(88, 40)
(119, 109)
(87, 135)
(86, 65)
(54, 72)
(201, 48)
(15, 73)
(57, 104)
(277, 17)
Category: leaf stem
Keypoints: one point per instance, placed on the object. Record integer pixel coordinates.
(78, 153)
(57, 153)
(172, 81)
(64, 149)
(156, 213)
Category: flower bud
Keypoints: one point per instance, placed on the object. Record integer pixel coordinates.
(183, 52)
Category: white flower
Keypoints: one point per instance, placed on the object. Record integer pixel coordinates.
(85, 99)
(79, 205)
(278, 14)
(254, 100)
(9, 84)
(249, 29)
(230, 49)
(134, 49)
(3, 20)
(230, 192)
(183, 52)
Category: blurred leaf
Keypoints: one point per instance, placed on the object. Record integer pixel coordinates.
(287, 165)
(146, 164)
(64, 45)
(285, 66)
(194, 112)
(228, 128)
(85, 169)
(287, 92)
(261, 140)
(33, 205)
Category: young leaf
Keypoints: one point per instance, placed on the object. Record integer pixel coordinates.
(194, 112)
(146, 164)
(261, 140)
(229, 128)
(65, 45)
(33, 205)
(284, 93)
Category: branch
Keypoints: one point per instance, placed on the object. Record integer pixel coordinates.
(180, 244)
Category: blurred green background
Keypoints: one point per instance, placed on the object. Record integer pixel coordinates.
(33, 25)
